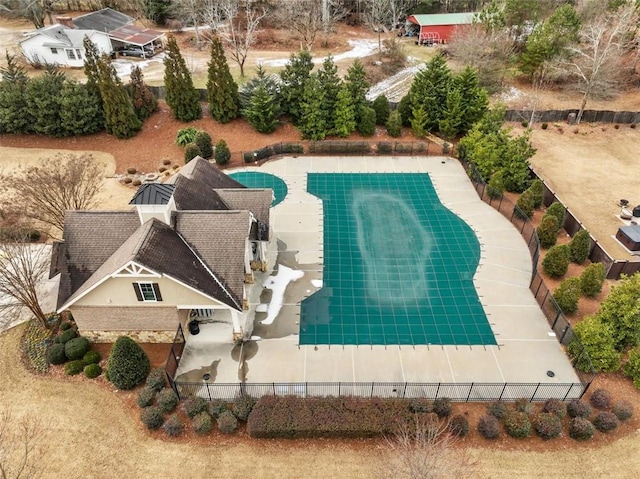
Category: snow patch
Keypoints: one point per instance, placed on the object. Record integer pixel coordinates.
(262, 308)
(256, 338)
(512, 93)
(395, 86)
(278, 284)
(317, 283)
(359, 49)
(124, 67)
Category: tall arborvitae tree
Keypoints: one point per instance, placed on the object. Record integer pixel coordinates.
(344, 120)
(80, 111)
(120, 117)
(91, 71)
(263, 111)
(356, 81)
(330, 83)
(13, 118)
(428, 92)
(293, 78)
(222, 90)
(453, 115)
(43, 103)
(313, 119)
(180, 94)
(144, 103)
(474, 98)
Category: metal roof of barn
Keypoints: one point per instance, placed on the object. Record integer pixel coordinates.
(426, 20)
(104, 20)
(153, 194)
(135, 35)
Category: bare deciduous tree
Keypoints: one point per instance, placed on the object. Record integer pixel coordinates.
(22, 446)
(71, 182)
(191, 12)
(377, 16)
(308, 18)
(236, 22)
(425, 450)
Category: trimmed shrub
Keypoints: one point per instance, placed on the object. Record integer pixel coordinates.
(547, 425)
(489, 427)
(217, 407)
(173, 426)
(145, 397)
(152, 417)
(605, 421)
(578, 408)
(420, 406)
(459, 425)
(558, 210)
(367, 124)
(555, 406)
(579, 247)
(442, 407)
(517, 424)
(394, 124)
(524, 206)
(537, 193)
(65, 326)
(592, 280)
(65, 336)
(632, 367)
(74, 367)
(556, 261)
(202, 423)
(128, 364)
(76, 348)
(495, 187)
(194, 405)
(243, 406)
(227, 422)
(548, 231)
(190, 152)
(91, 357)
(523, 405)
(56, 355)
(600, 399)
(623, 409)
(222, 153)
(567, 295)
(92, 370)
(167, 400)
(597, 338)
(498, 409)
(156, 379)
(581, 429)
(205, 145)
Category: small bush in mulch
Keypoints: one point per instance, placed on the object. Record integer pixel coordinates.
(202, 423)
(497, 409)
(517, 424)
(55, 355)
(167, 400)
(92, 370)
(558, 210)
(578, 408)
(65, 336)
(489, 427)
(623, 409)
(243, 406)
(152, 417)
(548, 231)
(76, 348)
(156, 379)
(524, 206)
(567, 295)
(547, 425)
(581, 429)
(91, 357)
(600, 399)
(420, 406)
(592, 280)
(217, 407)
(605, 421)
(227, 423)
(194, 406)
(555, 406)
(459, 425)
(556, 261)
(523, 405)
(442, 407)
(173, 426)
(66, 325)
(74, 367)
(145, 397)
(128, 364)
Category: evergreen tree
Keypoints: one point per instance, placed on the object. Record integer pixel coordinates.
(429, 90)
(345, 115)
(367, 124)
(293, 79)
(80, 111)
(330, 83)
(381, 106)
(356, 81)
(453, 115)
(92, 72)
(418, 122)
(121, 120)
(144, 103)
(404, 108)
(262, 112)
(13, 113)
(222, 154)
(204, 143)
(474, 98)
(222, 90)
(180, 94)
(268, 81)
(394, 124)
(157, 11)
(42, 97)
(313, 119)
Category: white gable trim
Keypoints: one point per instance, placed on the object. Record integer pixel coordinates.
(134, 269)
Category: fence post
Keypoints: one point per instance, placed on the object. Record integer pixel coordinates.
(372, 383)
(437, 391)
(534, 392)
(339, 393)
(273, 385)
(568, 391)
(404, 391)
(504, 386)
(470, 389)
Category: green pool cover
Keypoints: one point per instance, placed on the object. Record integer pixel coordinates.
(256, 179)
(398, 266)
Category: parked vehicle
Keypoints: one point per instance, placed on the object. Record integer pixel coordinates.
(135, 51)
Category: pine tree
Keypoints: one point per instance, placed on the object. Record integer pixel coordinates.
(80, 111)
(42, 97)
(394, 124)
(91, 71)
(293, 78)
(330, 83)
(418, 122)
(268, 81)
(180, 94)
(381, 106)
(356, 80)
(262, 111)
(144, 103)
(474, 98)
(452, 116)
(121, 120)
(13, 113)
(345, 115)
(367, 124)
(222, 90)
(429, 90)
(313, 119)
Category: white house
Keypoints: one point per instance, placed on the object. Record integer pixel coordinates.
(60, 45)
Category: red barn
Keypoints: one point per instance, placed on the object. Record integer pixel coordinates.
(438, 28)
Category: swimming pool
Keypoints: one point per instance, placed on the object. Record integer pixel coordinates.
(398, 266)
(257, 179)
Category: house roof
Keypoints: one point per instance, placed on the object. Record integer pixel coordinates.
(135, 35)
(59, 35)
(153, 194)
(430, 20)
(258, 201)
(105, 20)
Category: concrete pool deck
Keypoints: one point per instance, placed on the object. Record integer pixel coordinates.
(526, 350)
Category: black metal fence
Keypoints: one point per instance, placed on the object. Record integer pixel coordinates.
(588, 116)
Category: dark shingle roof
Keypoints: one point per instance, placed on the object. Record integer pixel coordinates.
(103, 20)
(258, 201)
(152, 194)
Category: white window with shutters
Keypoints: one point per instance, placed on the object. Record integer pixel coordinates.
(147, 292)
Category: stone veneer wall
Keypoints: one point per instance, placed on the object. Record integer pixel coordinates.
(137, 336)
